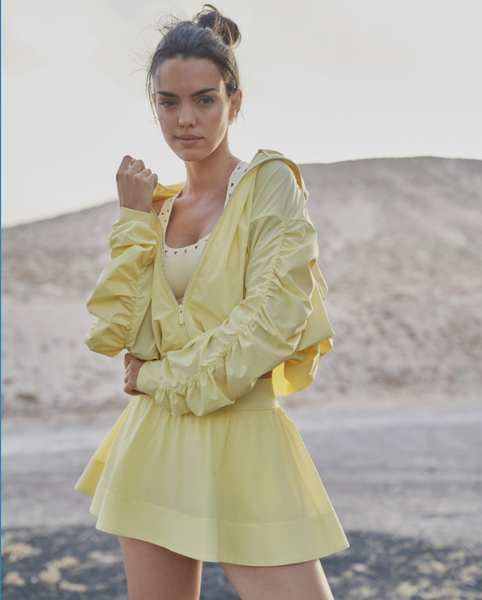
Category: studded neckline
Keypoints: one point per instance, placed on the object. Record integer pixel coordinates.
(238, 171)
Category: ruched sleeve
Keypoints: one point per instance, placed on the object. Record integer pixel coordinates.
(121, 300)
(216, 367)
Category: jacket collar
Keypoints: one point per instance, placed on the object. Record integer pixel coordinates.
(163, 192)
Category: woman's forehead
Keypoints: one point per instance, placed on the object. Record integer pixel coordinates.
(188, 72)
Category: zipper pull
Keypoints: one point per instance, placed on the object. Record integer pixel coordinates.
(181, 314)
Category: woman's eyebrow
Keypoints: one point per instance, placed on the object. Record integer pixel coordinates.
(170, 94)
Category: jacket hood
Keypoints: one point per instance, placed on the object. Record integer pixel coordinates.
(163, 192)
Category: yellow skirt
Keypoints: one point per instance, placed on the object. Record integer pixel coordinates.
(237, 485)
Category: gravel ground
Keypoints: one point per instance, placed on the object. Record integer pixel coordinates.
(82, 562)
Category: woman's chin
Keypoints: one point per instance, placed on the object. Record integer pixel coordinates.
(191, 154)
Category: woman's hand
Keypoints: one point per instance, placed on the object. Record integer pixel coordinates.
(135, 184)
(132, 365)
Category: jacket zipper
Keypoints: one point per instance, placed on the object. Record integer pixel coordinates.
(180, 306)
(207, 242)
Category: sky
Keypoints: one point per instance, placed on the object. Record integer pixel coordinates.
(322, 81)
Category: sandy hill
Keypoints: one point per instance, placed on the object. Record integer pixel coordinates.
(400, 247)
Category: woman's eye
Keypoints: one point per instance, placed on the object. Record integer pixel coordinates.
(169, 103)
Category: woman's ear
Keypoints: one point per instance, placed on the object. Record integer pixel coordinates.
(235, 107)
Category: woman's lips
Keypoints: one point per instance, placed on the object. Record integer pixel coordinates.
(190, 142)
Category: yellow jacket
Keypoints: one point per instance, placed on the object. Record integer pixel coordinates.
(254, 303)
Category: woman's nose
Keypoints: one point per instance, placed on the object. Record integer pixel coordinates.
(186, 116)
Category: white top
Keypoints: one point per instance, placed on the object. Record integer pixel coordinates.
(179, 263)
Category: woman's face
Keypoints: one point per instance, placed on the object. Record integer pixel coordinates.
(183, 111)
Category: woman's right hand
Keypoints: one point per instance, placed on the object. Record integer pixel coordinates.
(135, 184)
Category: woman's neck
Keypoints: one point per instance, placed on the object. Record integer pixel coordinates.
(207, 177)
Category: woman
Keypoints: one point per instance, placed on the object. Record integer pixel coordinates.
(214, 290)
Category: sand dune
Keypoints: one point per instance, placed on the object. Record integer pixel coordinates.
(401, 250)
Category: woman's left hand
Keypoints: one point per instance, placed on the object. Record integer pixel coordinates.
(132, 365)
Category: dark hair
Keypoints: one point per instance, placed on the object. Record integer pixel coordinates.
(209, 35)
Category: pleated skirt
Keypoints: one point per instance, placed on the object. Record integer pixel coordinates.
(237, 485)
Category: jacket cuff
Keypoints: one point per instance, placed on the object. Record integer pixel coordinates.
(125, 214)
(147, 382)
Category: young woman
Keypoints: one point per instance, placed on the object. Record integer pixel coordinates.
(213, 289)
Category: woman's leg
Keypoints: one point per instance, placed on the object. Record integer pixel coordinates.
(156, 573)
(305, 580)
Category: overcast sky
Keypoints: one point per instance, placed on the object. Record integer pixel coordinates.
(322, 80)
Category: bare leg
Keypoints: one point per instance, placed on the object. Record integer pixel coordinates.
(305, 580)
(156, 573)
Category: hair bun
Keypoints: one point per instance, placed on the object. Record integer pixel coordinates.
(224, 27)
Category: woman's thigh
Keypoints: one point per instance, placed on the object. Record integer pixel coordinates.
(154, 572)
(305, 580)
